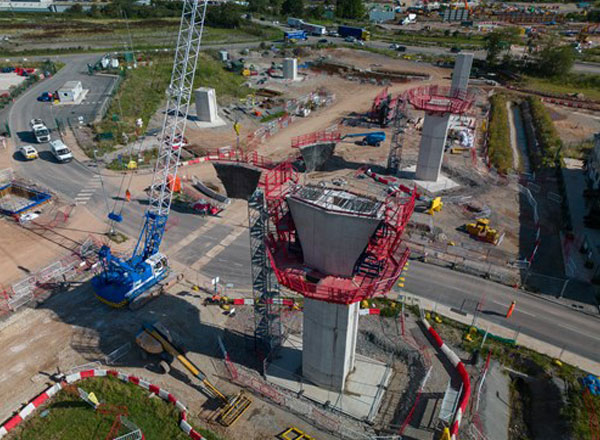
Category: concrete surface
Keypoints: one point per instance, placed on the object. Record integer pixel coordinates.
(331, 242)
(431, 149)
(442, 183)
(8, 80)
(316, 155)
(494, 403)
(329, 341)
(364, 386)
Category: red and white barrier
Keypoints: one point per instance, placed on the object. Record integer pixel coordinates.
(369, 312)
(75, 377)
(462, 371)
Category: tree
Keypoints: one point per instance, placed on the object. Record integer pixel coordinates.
(295, 8)
(258, 5)
(76, 9)
(354, 9)
(498, 41)
(224, 16)
(553, 60)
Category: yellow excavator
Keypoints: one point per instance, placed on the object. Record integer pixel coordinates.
(481, 230)
(156, 339)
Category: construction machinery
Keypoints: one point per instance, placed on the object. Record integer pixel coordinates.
(123, 281)
(373, 139)
(481, 230)
(156, 339)
(435, 205)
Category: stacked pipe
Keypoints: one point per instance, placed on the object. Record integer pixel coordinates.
(462, 371)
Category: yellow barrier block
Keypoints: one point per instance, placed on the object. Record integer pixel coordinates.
(400, 284)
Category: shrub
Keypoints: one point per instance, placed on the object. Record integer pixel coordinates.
(499, 149)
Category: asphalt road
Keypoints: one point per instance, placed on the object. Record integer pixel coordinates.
(541, 319)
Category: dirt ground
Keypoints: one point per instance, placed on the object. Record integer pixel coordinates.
(574, 126)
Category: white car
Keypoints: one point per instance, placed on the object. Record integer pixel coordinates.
(28, 152)
(60, 151)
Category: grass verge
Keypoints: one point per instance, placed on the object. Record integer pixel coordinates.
(499, 149)
(571, 84)
(69, 418)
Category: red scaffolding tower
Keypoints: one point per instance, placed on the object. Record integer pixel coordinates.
(376, 271)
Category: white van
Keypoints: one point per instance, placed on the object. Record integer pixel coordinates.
(60, 151)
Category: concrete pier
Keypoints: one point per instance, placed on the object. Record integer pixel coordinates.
(334, 227)
(240, 180)
(431, 150)
(290, 69)
(329, 342)
(316, 155)
(206, 104)
(435, 125)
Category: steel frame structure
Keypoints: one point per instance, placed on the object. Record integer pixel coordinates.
(179, 96)
(263, 206)
(395, 154)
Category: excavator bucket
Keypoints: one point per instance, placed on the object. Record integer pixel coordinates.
(234, 409)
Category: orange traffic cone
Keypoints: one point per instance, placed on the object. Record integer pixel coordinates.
(511, 309)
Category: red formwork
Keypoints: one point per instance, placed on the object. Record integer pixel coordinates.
(384, 251)
(377, 101)
(315, 138)
(440, 99)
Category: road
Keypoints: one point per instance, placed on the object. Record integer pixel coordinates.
(535, 317)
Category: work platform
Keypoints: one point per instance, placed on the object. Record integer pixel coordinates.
(16, 199)
(364, 390)
(442, 183)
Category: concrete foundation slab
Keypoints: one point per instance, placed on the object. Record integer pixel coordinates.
(443, 183)
(197, 123)
(365, 386)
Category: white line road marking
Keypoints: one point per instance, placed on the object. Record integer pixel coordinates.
(524, 312)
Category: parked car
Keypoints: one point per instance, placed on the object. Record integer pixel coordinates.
(401, 48)
(323, 41)
(350, 39)
(60, 151)
(28, 152)
(45, 97)
(359, 43)
(455, 49)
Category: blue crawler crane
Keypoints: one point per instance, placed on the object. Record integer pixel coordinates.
(123, 281)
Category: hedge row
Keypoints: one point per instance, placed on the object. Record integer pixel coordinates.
(499, 149)
(549, 153)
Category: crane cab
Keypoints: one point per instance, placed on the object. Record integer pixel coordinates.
(158, 263)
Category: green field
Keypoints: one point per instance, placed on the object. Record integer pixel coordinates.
(70, 418)
(143, 91)
(588, 85)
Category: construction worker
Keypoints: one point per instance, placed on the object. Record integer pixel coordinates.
(511, 309)
(127, 195)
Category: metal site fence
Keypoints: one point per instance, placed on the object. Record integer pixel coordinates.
(330, 421)
(22, 292)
